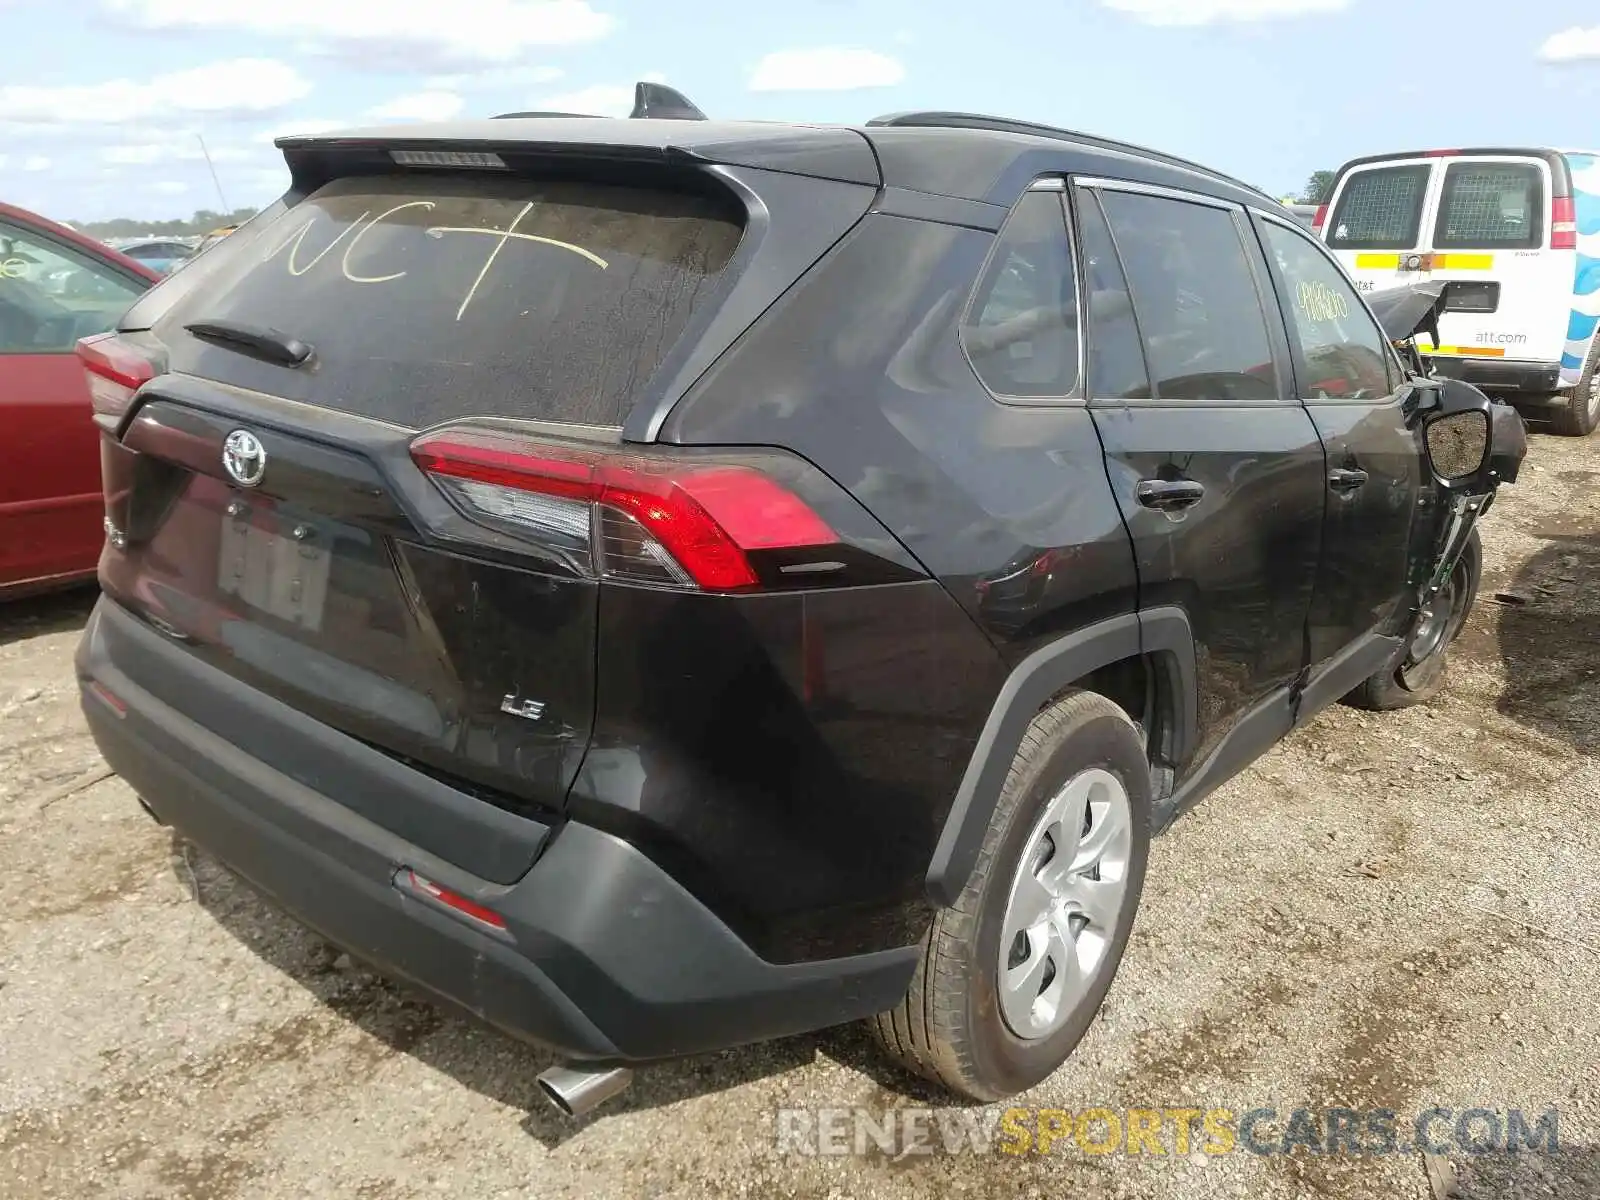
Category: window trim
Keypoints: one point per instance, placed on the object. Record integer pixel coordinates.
(1075, 397)
(1079, 195)
(71, 250)
(1296, 350)
(1266, 302)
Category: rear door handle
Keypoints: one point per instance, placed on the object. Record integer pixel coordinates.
(1346, 479)
(1169, 495)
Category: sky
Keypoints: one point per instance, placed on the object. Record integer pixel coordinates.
(104, 103)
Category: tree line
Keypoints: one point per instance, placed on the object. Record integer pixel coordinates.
(203, 222)
(1318, 187)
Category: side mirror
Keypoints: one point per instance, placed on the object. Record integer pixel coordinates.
(1472, 444)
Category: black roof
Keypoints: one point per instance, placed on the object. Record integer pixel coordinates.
(965, 155)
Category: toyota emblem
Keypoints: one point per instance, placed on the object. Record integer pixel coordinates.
(244, 458)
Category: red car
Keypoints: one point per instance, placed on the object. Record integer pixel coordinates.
(56, 286)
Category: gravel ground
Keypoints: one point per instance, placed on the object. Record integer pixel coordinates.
(1393, 911)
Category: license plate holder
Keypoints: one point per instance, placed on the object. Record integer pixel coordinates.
(281, 571)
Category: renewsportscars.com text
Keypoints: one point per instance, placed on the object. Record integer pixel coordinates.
(898, 1132)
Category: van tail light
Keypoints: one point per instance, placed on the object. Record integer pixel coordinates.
(622, 515)
(1563, 224)
(115, 370)
(1321, 219)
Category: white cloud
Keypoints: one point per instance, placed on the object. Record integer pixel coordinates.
(168, 187)
(1572, 45)
(825, 69)
(419, 106)
(177, 148)
(37, 162)
(233, 88)
(1208, 12)
(493, 79)
(602, 100)
(388, 33)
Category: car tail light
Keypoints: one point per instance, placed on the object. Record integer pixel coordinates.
(1321, 219)
(107, 697)
(623, 515)
(1440, 153)
(1563, 224)
(410, 881)
(115, 370)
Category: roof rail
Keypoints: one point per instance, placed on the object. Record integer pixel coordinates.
(959, 120)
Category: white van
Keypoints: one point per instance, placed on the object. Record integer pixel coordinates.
(1517, 235)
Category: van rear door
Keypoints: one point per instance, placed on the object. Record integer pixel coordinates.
(1510, 291)
(1376, 220)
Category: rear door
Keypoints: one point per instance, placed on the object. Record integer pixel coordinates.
(276, 517)
(51, 294)
(1510, 291)
(1377, 220)
(1215, 465)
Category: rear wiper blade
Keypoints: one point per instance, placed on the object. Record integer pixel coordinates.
(260, 341)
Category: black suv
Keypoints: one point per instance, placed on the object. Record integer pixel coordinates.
(665, 584)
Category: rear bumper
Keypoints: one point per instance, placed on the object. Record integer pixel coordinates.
(604, 955)
(1502, 375)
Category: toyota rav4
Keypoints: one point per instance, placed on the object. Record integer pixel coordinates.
(667, 584)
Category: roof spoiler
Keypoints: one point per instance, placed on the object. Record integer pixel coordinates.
(651, 102)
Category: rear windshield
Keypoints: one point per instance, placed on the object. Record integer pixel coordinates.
(1491, 205)
(1380, 209)
(427, 297)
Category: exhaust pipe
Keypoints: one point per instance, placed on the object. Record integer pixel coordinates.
(580, 1090)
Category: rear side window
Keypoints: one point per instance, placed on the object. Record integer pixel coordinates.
(1342, 350)
(1195, 298)
(1491, 205)
(1021, 331)
(1380, 208)
(428, 297)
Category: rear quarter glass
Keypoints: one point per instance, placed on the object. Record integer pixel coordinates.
(430, 297)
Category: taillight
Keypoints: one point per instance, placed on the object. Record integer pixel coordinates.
(409, 880)
(115, 371)
(623, 515)
(1321, 219)
(1563, 224)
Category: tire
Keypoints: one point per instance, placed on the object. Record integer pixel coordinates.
(953, 1026)
(1401, 684)
(1581, 413)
